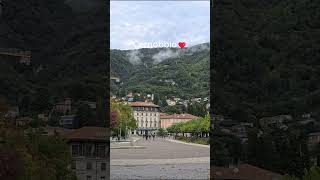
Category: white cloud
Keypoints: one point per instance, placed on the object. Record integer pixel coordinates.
(163, 55)
(153, 21)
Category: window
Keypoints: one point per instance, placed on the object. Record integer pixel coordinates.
(88, 177)
(101, 151)
(89, 150)
(89, 166)
(76, 150)
(73, 165)
(103, 166)
(142, 114)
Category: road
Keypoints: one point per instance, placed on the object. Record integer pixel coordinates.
(160, 159)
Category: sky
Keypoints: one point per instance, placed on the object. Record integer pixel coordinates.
(136, 23)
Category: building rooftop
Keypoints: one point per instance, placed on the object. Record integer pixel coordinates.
(314, 134)
(50, 130)
(142, 104)
(243, 172)
(177, 116)
(89, 134)
(24, 119)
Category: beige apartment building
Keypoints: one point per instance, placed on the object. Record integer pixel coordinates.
(147, 116)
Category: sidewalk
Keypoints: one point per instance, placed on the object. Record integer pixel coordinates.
(193, 144)
(126, 144)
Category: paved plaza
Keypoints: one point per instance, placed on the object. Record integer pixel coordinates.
(159, 159)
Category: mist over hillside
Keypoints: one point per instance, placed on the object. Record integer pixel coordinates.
(165, 71)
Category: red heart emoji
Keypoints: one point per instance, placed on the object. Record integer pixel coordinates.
(182, 44)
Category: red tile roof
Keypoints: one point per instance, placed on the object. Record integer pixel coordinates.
(142, 104)
(243, 172)
(177, 116)
(89, 133)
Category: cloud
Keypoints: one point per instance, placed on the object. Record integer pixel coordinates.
(169, 53)
(197, 48)
(134, 57)
(163, 55)
(152, 21)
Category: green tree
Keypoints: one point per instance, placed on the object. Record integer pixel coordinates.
(312, 174)
(161, 132)
(36, 156)
(41, 101)
(84, 116)
(124, 118)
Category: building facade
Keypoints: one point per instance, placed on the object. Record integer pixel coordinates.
(90, 151)
(168, 120)
(63, 107)
(67, 121)
(147, 116)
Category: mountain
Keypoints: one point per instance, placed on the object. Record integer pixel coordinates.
(269, 64)
(67, 40)
(164, 71)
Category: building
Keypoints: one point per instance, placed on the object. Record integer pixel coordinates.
(67, 121)
(115, 79)
(43, 117)
(168, 120)
(63, 107)
(147, 116)
(241, 131)
(13, 112)
(23, 121)
(50, 131)
(171, 102)
(275, 122)
(313, 142)
(90, 151)
(243, 172)
(91, 104)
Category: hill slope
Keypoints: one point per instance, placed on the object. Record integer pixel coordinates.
(164, 71)
(269, 64)
(67, 45)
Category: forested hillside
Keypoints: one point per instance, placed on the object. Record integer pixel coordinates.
(164, 71)
(266, 63)
(66, 39)
(266, 58)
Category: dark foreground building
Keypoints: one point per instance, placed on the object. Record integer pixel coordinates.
(90, 153)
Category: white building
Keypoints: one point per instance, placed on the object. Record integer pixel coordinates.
(171, 102)
(147, 116)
